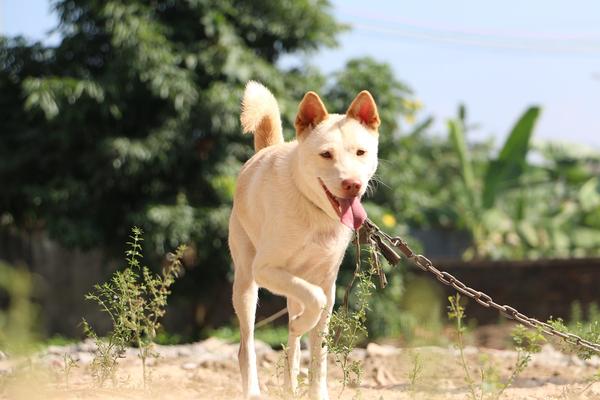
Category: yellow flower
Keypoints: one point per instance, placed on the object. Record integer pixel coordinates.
(410, 118)
(388, 220)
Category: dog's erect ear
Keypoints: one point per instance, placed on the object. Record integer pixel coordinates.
(310, 112)
(364, 109)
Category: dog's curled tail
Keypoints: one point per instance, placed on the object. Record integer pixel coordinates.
(260, 115)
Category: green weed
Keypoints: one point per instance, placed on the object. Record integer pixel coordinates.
(347, 327)
(490, 385)
(135, 300)
(68, 364)
(416, 370)
(588, 329)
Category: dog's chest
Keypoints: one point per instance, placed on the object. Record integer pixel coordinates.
(319, 255)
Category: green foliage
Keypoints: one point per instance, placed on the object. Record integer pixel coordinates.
(18, 328)
(135, 300)
(523, 209)
(586, 328)
(504, 172)
(133, 117)
(457, 138)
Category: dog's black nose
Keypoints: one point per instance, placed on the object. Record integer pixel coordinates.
(351, 187)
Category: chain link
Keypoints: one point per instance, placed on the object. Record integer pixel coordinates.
(383, 241)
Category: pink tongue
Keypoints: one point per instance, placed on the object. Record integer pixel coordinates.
(353, 213)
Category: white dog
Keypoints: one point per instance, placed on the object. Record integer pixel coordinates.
(294, 209)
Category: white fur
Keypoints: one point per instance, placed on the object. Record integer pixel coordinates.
(260, 115)
(285, 236)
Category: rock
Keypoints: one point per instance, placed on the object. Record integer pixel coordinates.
(574, 360)
(88, 345)
(84, 358)
(188, 366)
(381, 350)
(56, 350)
(214, 344)
(550, 356)
(5, 370)
(594, 361)
(271, 357)
(174, 351)
(358, 354)
(262, 347)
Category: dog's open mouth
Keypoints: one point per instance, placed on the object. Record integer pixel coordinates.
(350, 210)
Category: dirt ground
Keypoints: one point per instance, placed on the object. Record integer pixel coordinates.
(208, 370)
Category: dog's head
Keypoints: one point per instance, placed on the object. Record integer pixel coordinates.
(337, 155)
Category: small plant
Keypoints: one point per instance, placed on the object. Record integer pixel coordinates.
(526, 342)
(586, 329)
(416, 370)
(281, 368)
(347, 328)
(456, 312)
(135, 299)
(68, 364)
(108, 350)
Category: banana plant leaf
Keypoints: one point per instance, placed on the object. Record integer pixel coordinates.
(505, 171)
(457, 138)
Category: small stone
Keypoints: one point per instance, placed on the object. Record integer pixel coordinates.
(58, 350)
(88, 345)
(188, 366)
(84, 357)
(271, 357)
(261, 347)
(378, 350)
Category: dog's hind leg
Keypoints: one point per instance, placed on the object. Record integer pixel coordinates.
(245, 297)
(293, 349)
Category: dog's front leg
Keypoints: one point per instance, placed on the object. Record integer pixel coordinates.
(293, 349)
(311, 297)
(318, 351)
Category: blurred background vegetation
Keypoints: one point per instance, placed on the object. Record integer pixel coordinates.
(133, 119)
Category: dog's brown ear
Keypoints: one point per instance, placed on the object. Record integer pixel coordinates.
(310, 112)
(364, 109)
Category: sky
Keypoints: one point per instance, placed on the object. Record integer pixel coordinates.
(496, 57)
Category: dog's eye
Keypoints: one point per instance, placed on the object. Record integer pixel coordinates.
(326, 154)
(360, 152)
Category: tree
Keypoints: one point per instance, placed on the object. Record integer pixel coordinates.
(132, 119)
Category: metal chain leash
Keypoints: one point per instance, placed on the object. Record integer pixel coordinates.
(386, 244)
